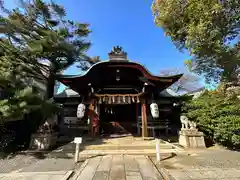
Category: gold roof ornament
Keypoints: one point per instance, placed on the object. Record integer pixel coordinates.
(117, 54)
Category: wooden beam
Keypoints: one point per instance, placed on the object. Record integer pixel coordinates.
(144, 119)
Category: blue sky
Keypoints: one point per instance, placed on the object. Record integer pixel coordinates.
(128, 23)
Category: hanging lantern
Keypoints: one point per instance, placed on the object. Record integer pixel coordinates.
(81, 111)
(103, 99)
(154, 110)
(113, 99)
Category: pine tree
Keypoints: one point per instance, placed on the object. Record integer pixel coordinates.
(34, 33)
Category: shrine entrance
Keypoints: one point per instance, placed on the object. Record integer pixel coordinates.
(118, 119)
(121, 90)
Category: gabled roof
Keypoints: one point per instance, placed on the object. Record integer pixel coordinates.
(171, 93)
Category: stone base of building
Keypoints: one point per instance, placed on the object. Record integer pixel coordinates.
(191, 138)
(43, 141)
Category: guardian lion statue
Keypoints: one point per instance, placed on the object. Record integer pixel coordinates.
(193, 125)
(185, 122)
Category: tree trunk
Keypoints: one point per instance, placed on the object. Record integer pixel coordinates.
(51, 84)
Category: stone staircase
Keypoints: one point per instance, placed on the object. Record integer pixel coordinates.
(113, 146)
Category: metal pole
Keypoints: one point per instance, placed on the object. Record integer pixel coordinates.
(77, 152)
(78, 141)
(158, 150)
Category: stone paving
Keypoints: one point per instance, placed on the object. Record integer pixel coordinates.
(118, 167)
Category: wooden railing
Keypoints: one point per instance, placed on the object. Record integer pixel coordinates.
(154, 124)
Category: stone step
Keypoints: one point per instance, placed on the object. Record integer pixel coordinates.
(124, 147)
(127, 151)
(71, 147)
(90, 153)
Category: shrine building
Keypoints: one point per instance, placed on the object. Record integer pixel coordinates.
(122, 92)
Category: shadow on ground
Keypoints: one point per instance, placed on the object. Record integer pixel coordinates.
(65, 148)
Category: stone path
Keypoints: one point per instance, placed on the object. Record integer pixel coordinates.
(52, 175)
(117, 167)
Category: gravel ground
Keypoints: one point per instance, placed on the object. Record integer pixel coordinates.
(209, 158)
(51, 165)
(16, 162)
(210, 164)
(29, 163)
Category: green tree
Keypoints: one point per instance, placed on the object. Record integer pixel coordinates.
(209, 30)
(33, 34)
(217, 115)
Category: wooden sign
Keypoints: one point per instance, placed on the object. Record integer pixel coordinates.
(78, 140)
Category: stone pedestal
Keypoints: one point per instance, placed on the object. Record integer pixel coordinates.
(191, 138)
(43, 141)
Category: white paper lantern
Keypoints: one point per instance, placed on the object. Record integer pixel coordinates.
(81, 111)
(154, 110)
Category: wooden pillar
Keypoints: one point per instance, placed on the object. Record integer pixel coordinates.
(98, 109)
(144, 119)
(137, 121)
(91, 109)
(98, 112)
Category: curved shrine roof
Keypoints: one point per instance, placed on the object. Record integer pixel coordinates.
(145, 72)
(104, 72)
